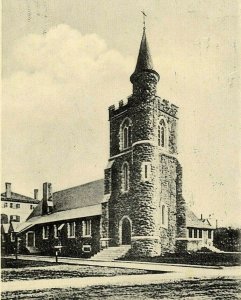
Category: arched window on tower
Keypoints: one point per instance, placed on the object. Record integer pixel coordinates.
(162, 134)
(125, 177)
(125, 134)
(125, 137)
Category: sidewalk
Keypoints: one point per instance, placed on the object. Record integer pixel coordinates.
(165, 267)
(174, 273)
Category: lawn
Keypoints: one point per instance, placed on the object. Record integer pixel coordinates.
(20, 263)
(197, 258)
(220, 288)
(24, 270)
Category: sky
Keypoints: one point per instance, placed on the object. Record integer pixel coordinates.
(64, 62)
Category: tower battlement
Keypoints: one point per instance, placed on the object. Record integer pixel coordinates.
(164, 105)
(116, 109)
(167, 107)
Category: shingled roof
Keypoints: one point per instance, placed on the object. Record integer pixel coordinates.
(144, 60)
(18, 198)
(85, 200)
(80, 196)
(193, 221)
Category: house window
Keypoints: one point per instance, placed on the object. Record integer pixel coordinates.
(209, 234)
(17, 205)
(146, 171)
(55, 231)
(195, 233)
(125, 177)
(162, 134)
(200, 233)
(71, 229)
(190, 232)
(45, 232)
(30, 239)
(86, 248)
(15, 218)
(11, 205)
(164, 215)
(86, 228)
(31, 206)
(5, 204)
(125, 134)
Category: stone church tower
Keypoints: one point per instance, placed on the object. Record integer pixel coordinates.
(143, 203)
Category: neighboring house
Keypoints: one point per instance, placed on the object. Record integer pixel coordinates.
(199, 232)
(139, 203)
(8, 237)
(16, 207)
(5, 240)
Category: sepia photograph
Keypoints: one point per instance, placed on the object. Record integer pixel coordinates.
(121, 149)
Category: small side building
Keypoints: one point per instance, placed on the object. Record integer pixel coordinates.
(68, 220)
(199, 232)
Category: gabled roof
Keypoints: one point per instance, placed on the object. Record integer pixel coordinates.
(85, 195)
(80, 196)
(5, 228)
(83, 201)
(81, 212)
(13, 226)
(193, 221)
(15, 197)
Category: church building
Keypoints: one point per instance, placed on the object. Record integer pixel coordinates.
(138, 206)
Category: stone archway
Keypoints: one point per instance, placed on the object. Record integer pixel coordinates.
(125, 231)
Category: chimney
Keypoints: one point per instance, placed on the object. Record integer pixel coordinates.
(35, 194)
(201, 216)
(8, 190)
(47, 191)
(47, 198)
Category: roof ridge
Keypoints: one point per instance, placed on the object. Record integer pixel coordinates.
(81, 185)
(14, 193)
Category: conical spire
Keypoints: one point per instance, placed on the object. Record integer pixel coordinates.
(144, 60)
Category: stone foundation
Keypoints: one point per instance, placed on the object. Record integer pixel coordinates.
(181, 246)
(145, 247)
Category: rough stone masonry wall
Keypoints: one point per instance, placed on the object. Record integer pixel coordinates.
(142, 202)
(145, 204)
(168, 197)
(120, 203)
(181, 242)
(139, 203)
(104, 225)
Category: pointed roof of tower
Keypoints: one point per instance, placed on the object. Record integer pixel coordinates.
(144, 60)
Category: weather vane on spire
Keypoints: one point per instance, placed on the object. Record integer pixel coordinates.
(144, 19)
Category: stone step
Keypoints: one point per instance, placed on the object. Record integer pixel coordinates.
(33, 250)
(214, 249)
(111, 253)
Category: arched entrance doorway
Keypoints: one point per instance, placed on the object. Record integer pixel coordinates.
(125, 230)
